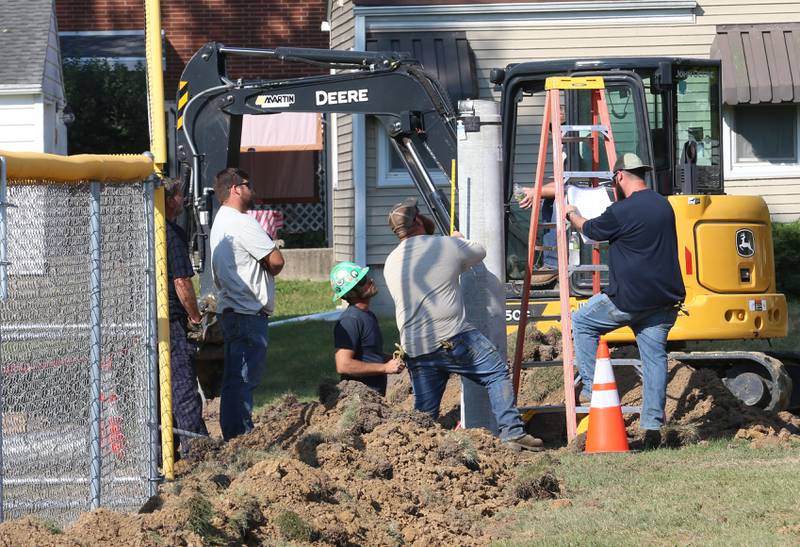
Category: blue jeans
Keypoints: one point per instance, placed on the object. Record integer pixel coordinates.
(599, 316)
(245, 355)
(473, 356)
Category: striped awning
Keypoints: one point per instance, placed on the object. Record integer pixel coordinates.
(760, 63)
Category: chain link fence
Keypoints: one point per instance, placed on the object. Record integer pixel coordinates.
(77, 348)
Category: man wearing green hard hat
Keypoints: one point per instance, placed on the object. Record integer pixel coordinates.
(357, 335)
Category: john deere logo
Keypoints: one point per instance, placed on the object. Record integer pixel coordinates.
(745, 243)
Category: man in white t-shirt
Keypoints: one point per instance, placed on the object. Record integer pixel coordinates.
(244, 261)
(423, 276)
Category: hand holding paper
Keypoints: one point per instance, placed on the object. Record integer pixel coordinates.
(591, 202)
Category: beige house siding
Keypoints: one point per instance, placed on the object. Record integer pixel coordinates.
(343, 210)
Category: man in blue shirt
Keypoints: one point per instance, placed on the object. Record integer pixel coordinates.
(187, 406)
(357, 335)
(645, 286)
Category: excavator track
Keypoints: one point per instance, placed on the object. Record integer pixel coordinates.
(760, 379)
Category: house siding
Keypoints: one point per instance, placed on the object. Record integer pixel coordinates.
(21, 123)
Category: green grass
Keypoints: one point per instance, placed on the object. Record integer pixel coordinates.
(296, 298)
(300, 356)
(718, 494)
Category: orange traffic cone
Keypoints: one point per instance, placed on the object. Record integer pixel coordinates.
(606, 427)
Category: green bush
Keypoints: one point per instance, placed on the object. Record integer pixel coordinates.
(110, 106)
(786, 241)
(304, 240)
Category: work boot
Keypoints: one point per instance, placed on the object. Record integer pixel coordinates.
(649, 439)
(544, 276)
(525, 442)
(584, 400)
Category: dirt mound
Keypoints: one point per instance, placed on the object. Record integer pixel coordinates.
(351, 469)
(699, 407)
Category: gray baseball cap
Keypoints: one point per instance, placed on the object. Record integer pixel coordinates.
(630, 162)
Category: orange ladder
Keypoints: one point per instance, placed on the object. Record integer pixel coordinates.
(600, 127)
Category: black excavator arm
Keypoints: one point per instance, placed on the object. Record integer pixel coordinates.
(415, 111)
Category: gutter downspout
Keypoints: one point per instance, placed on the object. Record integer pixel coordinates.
(359, 162)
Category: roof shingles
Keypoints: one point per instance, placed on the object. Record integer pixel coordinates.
(24, 32)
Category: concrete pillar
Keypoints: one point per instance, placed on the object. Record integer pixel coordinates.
(480, 206)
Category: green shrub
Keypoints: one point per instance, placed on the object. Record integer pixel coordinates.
(110, 106)
(786, 241)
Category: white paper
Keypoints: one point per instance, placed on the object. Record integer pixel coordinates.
(591, 202)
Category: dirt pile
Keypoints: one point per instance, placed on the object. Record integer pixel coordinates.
(349, 470)
(699, 407)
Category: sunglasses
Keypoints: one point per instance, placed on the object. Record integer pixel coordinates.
(244, 184)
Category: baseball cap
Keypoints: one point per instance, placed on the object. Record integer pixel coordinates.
(402, 216)
(630, 162)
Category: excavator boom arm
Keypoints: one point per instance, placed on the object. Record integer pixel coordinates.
(415, 111)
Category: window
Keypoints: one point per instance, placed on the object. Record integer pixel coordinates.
(766, 133)
(392, 171)
(763, 140)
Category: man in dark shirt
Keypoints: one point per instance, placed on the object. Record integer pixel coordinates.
(645, 285)
(187, 407)
(357, 335)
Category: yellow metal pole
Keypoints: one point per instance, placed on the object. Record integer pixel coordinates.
(162, 303)
(452, 196)
(155, 83)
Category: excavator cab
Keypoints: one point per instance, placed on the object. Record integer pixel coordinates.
(667, 111)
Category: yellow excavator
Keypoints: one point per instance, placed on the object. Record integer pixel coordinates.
(668, 111)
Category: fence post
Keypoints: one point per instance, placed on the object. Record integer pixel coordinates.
(162, 304)
(95, 411)
(152, 338)
(3, 296)
(3, 246)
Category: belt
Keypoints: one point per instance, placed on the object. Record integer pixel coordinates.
(231, 310)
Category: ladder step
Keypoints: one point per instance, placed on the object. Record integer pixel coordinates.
(539, 318)
(589, 268)
(635, 363)
(577, 139)
(555, 409)
(593, 128)
(551, 293)
(585, 175)
(546, 247)
(542, 364)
